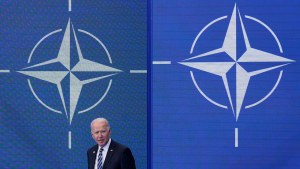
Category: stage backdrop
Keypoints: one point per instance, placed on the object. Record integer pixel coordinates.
(62, 64)
(226, 84)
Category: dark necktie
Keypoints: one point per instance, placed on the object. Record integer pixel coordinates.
(99, 166)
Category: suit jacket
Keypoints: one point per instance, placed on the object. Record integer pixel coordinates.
(118, 157)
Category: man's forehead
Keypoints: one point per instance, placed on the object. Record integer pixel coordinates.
(99, 128)
(100, 125)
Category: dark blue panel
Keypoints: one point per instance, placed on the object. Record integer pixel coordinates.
(62, 64)
(225, 84)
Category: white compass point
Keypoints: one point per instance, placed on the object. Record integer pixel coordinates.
(83, 65)
(229, 46)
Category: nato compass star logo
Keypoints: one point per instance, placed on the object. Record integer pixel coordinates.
(63, 58)
(69, 70)
(240, 52)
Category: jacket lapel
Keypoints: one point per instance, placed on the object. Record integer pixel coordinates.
(109, 153)
(95, 150)
(93, 155)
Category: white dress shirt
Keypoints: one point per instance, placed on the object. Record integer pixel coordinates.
(104, 153)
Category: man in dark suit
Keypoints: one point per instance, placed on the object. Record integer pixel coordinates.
(107, 154)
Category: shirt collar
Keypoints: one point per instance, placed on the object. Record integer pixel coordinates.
(106, 146)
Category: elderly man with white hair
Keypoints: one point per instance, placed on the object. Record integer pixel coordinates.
(107, 154)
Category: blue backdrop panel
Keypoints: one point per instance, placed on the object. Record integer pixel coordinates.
(226, 84)
(62, 64)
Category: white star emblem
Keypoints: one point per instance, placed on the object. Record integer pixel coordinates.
(64, 58)
(230, 48)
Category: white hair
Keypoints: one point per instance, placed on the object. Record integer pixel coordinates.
(100, 119)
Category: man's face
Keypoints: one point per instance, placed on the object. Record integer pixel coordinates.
(100, 132)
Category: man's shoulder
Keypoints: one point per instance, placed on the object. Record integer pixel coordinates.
(119, 146)
(94, 148)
